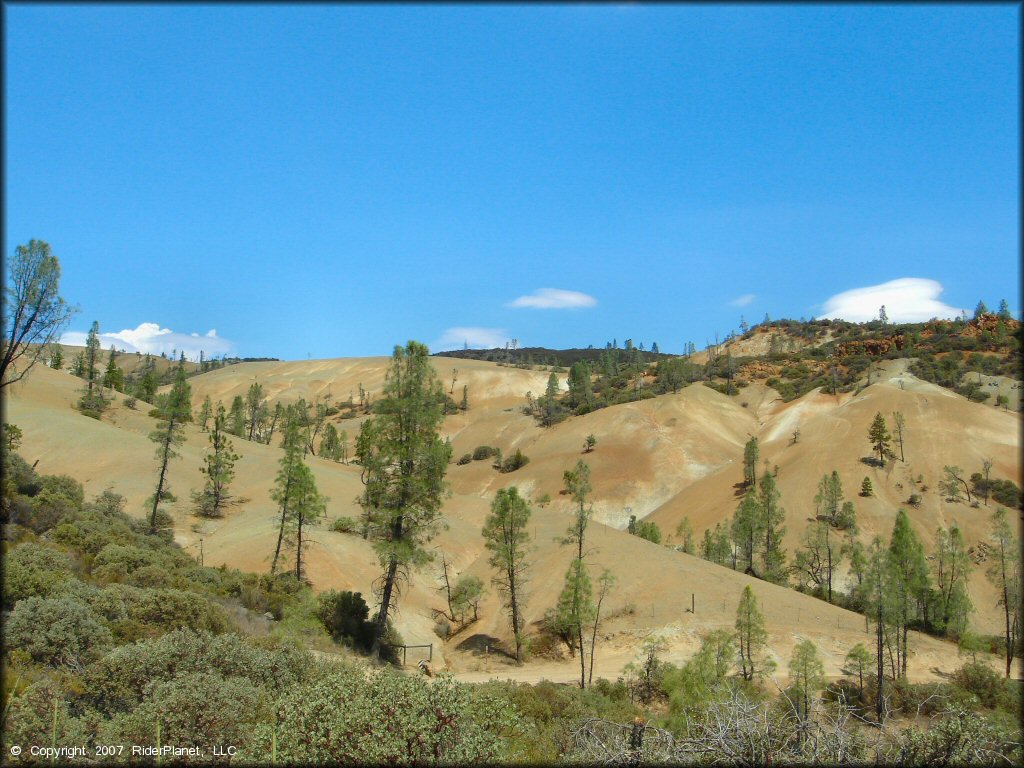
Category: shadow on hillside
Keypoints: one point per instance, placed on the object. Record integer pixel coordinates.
(484, 645)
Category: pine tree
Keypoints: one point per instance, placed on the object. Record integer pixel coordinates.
(878, 434)
(866, 488)
(552, 411)
(146, 389)
(330, 445)
(858, 660)
(286, 486)
(580, 389)
(772, 516)
(174, 410)
(980, 310)
(901, 424)
(1004, 310)
(113, 377)
(806, 675)
(577, 483)
(309, 508)
(684, 531)
(464, 404)
(875, 595)
(506, 538)
(829, 499)
(34, 314)
(57, 358)
(952, 566)
(92, 400)
(746, 530)
(205, 411)
(752, 637)
(219, 470)
(403, 463)
(576, 609)
(909, 580)
(92, 350)
(236, 417)
(1005, 574)
(255, 407)
(751, 454)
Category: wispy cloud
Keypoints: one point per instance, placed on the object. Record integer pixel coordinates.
(554, 298)
(906, 300)
(476, 338)
(151, 338)
(743, 300)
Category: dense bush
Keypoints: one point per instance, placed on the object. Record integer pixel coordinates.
(482, 452)
(118, 682)
(992, 689)
(34, 570)
(345, 615)
(60, 632)
(344, 524)
(515, 461)
(343, 718)
(195, 709)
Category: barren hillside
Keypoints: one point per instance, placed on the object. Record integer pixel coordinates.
(665, 458)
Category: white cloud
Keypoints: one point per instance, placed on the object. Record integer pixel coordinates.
(743, 300)
(554, 298)
(906, 300)
(151, 338)
(476, 338)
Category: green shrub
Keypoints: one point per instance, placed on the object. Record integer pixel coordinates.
(464, 459)
(115, 561)
(345, 616)
(344, 525)
(195, 709)
(118, 682)
(515, 461)
(992, 689)
(158, 611)
(343, 718)
(33, 570)
(61, 632)
(30, 719)
(482, 452)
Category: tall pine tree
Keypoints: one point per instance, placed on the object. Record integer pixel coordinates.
(403, 463)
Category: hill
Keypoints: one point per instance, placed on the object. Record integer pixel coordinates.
(662, 458)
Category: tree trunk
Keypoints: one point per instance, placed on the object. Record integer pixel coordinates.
(879, 710)
(828, 549)
(280, 530)
(298, 548)
(385, 602)
(583, 655)
(905, 654)
(1006, 611)
(163, 474)
(514, 601)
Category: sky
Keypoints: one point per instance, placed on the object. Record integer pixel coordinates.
(332, 180)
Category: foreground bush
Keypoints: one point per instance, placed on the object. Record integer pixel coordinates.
(345, 718)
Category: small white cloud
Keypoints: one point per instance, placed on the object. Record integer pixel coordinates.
(743, 300)
(151, 338)
(475, 338)
(554, 298)
(906, 300)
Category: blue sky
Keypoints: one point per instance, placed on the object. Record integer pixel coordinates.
(332, 180)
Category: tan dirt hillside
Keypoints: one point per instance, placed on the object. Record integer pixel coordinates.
(666, 457)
